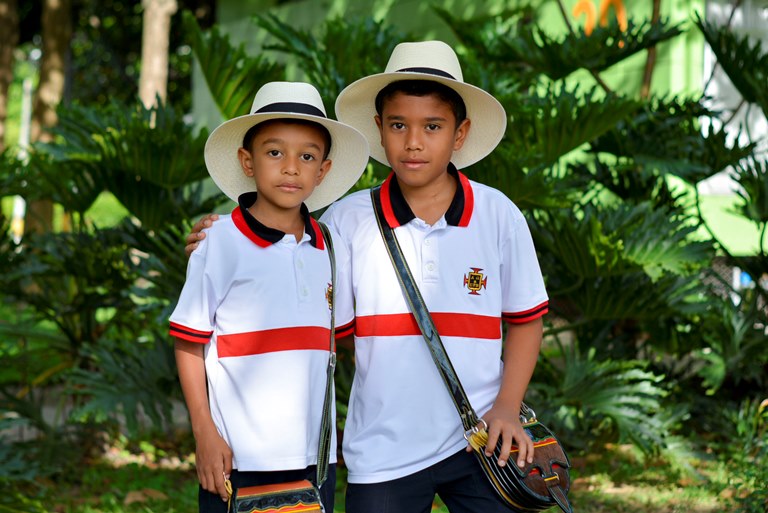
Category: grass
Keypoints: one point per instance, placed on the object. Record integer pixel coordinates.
(149, 481)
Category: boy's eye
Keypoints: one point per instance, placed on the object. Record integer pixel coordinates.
(398, 126)
(273, 153)
(432, 126)
(308, 157)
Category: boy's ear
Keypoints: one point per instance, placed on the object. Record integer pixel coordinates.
(377, 120)
(324, 168)
(246, 161)
(461, 134)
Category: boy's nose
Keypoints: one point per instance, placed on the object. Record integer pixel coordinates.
(413, 141)
(291, 166)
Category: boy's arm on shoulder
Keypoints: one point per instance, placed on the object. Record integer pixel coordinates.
(197, 234)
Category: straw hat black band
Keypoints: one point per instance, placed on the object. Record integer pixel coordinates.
(429, 71)
(295, 108)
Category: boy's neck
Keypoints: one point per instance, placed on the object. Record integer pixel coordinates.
(431, 201)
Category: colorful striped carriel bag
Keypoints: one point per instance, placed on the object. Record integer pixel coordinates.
(539, 485)
(297, 496)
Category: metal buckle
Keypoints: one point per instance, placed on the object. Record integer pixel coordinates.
(468, 433)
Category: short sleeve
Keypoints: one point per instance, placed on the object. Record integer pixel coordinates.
(344, 308)
(525, 296)
(193, 317)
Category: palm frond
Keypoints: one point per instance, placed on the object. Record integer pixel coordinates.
(604, 47)
(232, 75)
(752, 176)
(745, 63)
(547, 126)
(665, 135)
(601, 400)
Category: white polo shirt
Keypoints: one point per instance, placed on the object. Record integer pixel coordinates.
(257, 299)
(474, 267)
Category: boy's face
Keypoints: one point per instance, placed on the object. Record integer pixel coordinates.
(419, 135)
(286, 162)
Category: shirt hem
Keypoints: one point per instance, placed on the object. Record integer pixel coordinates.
(391, 475)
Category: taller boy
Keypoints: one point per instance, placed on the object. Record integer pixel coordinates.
(473, 259)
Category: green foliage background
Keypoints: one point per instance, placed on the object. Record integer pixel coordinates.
(647, 344)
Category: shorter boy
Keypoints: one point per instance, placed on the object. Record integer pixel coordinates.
(252, 324)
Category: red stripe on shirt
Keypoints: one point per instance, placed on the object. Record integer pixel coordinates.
(345, 330)
(270, 341)
(469, 200)
(189, 334)
(448, 325)
(527, 315)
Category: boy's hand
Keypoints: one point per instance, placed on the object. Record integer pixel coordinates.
(505, 423)
(213, 458)
(196, 235)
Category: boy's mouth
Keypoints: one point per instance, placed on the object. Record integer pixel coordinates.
(289, 187)
(413, 163)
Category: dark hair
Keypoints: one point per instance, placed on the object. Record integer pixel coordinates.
(424, 88)
(255, 129)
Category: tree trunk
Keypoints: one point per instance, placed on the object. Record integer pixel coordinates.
(153, 80)
(650, 61)
(9, 38)
(57, 32)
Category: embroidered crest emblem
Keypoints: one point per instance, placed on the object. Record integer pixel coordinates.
(329, 295)
(475, 281)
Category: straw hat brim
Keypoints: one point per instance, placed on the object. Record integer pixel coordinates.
(355, 106)
(349, 156)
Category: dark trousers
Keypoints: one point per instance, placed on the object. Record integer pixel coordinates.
(211, 502)
(457, 479)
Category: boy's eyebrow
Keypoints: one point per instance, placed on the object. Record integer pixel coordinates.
(277, 140)
(394, 117)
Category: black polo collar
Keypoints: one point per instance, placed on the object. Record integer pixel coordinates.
(397, 212)
(263, 235)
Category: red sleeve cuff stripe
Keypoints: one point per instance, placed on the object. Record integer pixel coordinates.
(345, 330)
(527, 315)
(189, 334)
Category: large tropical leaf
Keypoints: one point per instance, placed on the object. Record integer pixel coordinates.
(745, 63)
(601, 49)
(232, 75)
(592, 401)
(132, 380)
(666, 135)
(752, 176)
(546, 126)
(599, 242)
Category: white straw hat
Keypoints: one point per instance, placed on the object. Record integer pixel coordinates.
(427, 60)
(287, 100)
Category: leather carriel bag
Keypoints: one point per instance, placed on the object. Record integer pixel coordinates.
(293, 496)
(539, 485)
(303, 495)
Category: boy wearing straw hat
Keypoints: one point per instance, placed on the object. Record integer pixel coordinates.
(403, 441)
(252, 323)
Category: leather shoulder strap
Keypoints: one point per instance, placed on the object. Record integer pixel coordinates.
(324, 445)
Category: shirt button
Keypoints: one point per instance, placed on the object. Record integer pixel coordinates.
(300, 264)
(426, 242)
(304, 292)
(430, 267)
